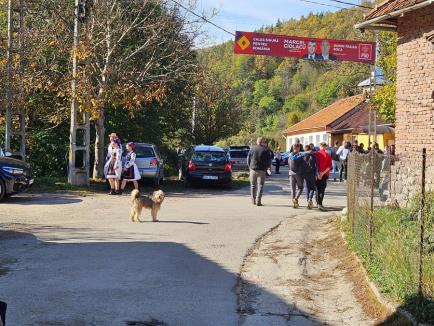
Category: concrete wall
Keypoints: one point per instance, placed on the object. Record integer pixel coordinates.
(415, 103)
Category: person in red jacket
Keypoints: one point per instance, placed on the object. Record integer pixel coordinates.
(324, 162)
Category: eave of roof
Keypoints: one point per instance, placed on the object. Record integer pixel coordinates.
(385, 15)
(322, 119)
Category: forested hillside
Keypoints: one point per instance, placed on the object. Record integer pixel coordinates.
(273, 93)
(150, 93)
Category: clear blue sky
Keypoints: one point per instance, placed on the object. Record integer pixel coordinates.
(248, 15)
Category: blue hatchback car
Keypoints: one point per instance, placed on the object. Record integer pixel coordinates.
(15, 176)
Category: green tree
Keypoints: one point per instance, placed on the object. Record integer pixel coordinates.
(385, 97)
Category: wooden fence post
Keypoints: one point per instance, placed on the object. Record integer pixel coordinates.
(422, 222)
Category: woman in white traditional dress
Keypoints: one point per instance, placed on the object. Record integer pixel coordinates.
(109, 149)
(113, 167)
(130, 171)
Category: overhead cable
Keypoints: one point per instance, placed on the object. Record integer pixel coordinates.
(202, 17)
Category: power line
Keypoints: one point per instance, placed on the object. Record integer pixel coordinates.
(323, 4)
(308, 1)
(351, 4)
(202, 17)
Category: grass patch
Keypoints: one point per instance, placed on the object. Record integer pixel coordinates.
(170, 184)
(55, 184)
(393, 265)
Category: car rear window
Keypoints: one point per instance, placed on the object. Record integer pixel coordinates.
(144, 152)
(209, 157)
(238, 154)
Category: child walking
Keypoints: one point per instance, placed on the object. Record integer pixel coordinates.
(130, 171)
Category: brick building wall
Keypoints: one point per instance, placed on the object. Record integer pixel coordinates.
(415, 102)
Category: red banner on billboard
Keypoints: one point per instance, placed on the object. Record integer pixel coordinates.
(304, 47)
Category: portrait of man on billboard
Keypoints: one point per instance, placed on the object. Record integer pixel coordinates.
(311, 51)
(325, 51)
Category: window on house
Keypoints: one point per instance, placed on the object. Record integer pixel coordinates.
(317, 140)
(310, 139)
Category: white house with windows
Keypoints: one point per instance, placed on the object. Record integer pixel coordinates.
(307, 138)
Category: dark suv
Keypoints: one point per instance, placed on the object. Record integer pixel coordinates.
(205, 164)
(15, 176)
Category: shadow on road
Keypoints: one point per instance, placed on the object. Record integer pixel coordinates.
(42, 199)
(115, 283)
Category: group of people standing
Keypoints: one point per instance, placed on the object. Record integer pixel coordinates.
(307, 165)
(340, 155)
(311, 167)
(118, 169)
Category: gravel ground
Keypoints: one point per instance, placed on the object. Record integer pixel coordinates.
(302, 262)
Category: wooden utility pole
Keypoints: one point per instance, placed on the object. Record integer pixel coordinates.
(79, 154)
(15, 142)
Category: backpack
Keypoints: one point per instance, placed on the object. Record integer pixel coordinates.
(332, 152)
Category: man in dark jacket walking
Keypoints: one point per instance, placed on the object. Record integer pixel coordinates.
(310, 174)
(259, 160)
(297, 168)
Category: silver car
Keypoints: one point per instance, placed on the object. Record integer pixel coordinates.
(238, 158)
(149, 163)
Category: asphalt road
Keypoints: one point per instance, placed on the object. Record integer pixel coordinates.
(70, 260)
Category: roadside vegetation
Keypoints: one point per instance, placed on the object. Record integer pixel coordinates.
(393, 265)
(170, 184)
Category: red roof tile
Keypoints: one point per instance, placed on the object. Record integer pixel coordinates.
(355, 119)
(322, 119)
(390, 6)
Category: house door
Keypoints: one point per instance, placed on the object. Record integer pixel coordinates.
(337, 137)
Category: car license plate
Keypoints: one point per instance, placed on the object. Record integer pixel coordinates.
(31, 181)
(210, 177)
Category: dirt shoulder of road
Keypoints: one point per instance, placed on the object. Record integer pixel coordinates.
(315, 279)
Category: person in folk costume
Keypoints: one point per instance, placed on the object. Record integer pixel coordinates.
(130, 171)
(113, 166)
(109, 149)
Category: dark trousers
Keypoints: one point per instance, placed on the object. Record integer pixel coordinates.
(310, 185)
(277, 166)
(321, 186)
(343, 169)
(297, 184)
(3, 307)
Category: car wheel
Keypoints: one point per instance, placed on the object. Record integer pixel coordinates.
(2, 189)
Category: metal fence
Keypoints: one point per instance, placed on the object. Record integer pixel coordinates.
(401, 238)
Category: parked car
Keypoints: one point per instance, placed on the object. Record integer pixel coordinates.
(15, 175)
(285, 156)
(149, 163)
(238, 157)
(207, 165)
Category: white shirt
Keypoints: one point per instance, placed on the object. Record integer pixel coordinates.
(343, 152)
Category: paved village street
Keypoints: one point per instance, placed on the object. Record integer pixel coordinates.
(69, 260)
